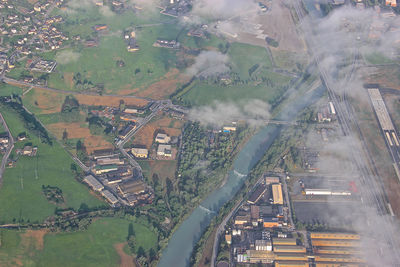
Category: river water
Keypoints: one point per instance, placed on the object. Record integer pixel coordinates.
(182, 242)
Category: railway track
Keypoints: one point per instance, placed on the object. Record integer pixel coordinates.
(372, 188)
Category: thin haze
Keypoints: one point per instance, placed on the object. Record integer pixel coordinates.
(254, 112)
(335, 40)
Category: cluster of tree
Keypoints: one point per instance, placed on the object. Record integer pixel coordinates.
(81, 152)
(144, 258)
(82, 83)
(237, 80)
(97, 126)
(201, 167)
(30, 121)
(53, 194)
(70, 104)
(312, 226)
(272, 42)
(176, 96)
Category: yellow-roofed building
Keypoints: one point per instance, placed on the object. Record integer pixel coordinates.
(347, 236)
(277, 194)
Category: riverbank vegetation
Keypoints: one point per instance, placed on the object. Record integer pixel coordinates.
(279, 157)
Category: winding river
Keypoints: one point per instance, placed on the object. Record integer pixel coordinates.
(182, 242)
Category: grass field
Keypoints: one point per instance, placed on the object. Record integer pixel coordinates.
(21, 194)
(200, 43)
(98, 64)
(289, 60)
(6, 90)
(247, 61)
(205, 94)
(244, 56)
(92, 247)
(378, 58)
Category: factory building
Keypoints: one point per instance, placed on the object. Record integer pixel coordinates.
(338, 259)
(257, 194)
(277, 194)
(284, 241)
(336, 250)
(257, 256)
(291, 256)
(290, 249)
(109, 196)
(291, 264)
(140, 152)
(332, 108)
(263, 245)
(334, 243)
(326, 192)
(93, 183)
(271, 222)
(322, 235)
(271, 180)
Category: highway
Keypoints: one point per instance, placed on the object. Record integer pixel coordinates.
(372, 189)
(9, 148)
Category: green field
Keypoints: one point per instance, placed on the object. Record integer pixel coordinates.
(6, 90)
(251, 64)
(205, 94)
(378, 58)
(98, 64)
(244, 56)
(201, 43)
(21, 193)
(92, 247)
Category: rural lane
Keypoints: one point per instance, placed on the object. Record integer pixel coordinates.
(9, 148)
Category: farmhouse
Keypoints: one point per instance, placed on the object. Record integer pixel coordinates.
(4, 140)
(27, 151)
(167, 44)
(100, 27)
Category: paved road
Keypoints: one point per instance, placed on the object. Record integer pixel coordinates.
(9, 148)
(219, 232)
(160, 105)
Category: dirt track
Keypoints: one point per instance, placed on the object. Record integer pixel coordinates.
(125, 259)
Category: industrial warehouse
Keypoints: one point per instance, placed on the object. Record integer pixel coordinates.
(116, 180)
(261, 230)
